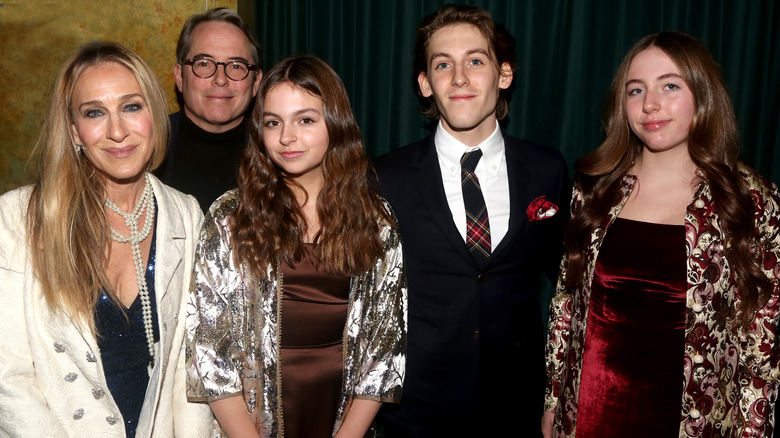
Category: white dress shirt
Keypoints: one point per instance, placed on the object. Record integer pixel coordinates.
(491, 172)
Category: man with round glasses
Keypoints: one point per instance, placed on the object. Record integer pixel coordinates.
(217, 75)
(205, 68)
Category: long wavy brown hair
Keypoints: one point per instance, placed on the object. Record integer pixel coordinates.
(268, 222)
(713, 144)
(66, 221)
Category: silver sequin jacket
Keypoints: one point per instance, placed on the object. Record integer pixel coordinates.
(729, 380)
(233, 327)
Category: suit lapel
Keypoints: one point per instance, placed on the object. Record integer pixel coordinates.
(173, 231)
(518, 175)
(169, 244)
(426, 174)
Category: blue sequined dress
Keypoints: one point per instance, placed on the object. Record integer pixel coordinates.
(124, 350)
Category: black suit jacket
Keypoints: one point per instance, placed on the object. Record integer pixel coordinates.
(476, 344)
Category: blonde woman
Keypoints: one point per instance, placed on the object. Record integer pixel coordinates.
(94, 260)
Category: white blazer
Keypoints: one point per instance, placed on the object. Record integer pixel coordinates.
(51, 375)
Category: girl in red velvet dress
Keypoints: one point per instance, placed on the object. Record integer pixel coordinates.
(665, 314)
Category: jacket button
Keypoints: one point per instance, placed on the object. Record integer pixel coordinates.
(695, 413)
(481, 278)
(475, 334)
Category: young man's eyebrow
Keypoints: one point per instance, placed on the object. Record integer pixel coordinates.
(468, 53)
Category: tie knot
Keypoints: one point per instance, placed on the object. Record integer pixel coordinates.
(469, 160)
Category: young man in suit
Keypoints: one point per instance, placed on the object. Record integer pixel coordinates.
(477, 238)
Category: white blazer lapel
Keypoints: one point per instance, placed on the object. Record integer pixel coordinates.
(168, 283)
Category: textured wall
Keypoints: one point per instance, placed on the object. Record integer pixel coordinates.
(36, 36)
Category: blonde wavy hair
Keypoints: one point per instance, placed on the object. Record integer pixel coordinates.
(67, 229)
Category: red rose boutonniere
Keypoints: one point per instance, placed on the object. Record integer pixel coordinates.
(541, 208)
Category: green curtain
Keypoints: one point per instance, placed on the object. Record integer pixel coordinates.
(568, 52)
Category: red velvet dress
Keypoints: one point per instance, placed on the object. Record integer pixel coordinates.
(632, 368)
(314, 312)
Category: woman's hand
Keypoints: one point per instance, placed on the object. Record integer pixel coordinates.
(358, 417)
(547, 424)
(233, 417)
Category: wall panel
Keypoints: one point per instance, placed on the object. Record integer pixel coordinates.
(36, 36)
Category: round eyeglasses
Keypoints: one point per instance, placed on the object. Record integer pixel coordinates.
(206, 67)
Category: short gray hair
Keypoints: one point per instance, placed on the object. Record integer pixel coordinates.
(217, 14)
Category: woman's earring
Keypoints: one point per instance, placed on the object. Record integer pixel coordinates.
(78, 148)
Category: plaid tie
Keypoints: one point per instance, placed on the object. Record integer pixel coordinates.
(477, 224)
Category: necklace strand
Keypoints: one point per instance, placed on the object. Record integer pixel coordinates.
(145, 205)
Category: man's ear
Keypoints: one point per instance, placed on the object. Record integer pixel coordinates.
(256, 85)
(506, 76)
(177, 76)
(425, 86)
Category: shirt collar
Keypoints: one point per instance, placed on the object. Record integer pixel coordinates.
(450, 150)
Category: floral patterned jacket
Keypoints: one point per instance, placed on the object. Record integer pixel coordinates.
(730, 379)
(233, 327)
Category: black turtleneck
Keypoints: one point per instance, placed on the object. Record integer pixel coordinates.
(202, 163)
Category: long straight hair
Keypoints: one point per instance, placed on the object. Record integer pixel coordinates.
(66, 222)
(713, 144)
(268, 222)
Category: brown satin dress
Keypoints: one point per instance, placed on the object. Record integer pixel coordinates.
(314, 313)
(632, 367)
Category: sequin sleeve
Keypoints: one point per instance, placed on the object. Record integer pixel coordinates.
(213, 347)
(377, 326)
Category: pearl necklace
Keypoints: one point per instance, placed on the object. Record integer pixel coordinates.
(145, 204)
